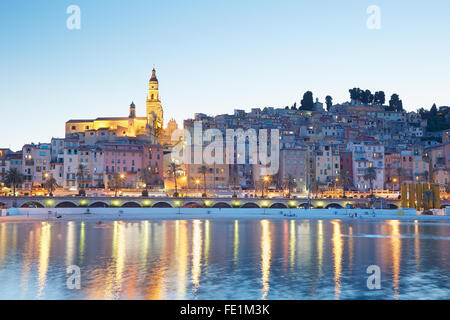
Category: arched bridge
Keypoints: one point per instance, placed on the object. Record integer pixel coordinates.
(168, 202)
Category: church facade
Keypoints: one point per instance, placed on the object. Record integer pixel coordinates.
(131, 126)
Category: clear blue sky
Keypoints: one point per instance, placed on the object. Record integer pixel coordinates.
(211, 57)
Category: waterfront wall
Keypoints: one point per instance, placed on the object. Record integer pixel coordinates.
(203, 212)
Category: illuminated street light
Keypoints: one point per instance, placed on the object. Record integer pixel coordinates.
(265, 181)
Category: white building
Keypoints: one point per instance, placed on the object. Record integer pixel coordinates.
(366, 155)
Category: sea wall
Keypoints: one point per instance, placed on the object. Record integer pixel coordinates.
(205, 212)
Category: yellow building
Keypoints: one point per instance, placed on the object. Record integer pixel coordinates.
(155, 115)
(130, 126)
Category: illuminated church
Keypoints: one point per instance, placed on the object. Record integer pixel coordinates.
(131, 126)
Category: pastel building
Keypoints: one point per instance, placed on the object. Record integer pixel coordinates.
(129, 160)
(71, 162)
(391, 172)
(36, 164)
(293, 165)
(327, 164)
(4, 163)
(366, 155)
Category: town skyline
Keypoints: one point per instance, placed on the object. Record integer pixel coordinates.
(140, 112)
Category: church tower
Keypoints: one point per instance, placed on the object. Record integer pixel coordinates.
(154, 108)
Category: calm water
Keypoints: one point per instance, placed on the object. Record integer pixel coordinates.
(248, 259)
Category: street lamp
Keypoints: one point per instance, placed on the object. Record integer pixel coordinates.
(197, 182)
(395, 181)
(265, 181)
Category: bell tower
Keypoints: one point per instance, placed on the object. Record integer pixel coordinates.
(154, 108)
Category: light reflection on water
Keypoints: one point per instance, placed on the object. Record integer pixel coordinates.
(225, 259)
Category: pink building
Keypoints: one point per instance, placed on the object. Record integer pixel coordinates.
(130, 160)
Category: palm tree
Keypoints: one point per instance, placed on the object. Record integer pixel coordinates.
(173, 169)
(426, 176)
(315, 187)
(82, 173)
(290, 184)
(116, 182)
(146, 177)
(427, 199)
(400, 174)
(345, 181)
(370, 175)
(13, 178)
(203, 170)
(50, 184)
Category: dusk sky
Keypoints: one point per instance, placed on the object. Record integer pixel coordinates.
(211, 57)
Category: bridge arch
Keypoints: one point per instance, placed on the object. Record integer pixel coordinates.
(32, 204)
(162, 204)
(334, 206)
(99, 204)
(131, 204)
(221, 205)
(250, 205)
(392, 206)
(66, 204)
(193, 205)
(278, 205)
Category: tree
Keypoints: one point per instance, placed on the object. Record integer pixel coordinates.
(82, 173)
(290, 184)
(315, 188)
(329, 102)
(234, 178)
(426, 176)
(50, 184)
(437, 119)
(173, 170)
(395, 104)
(400, 175)
(345, 180)
(427, 199)
(355, 94)
(371, 176)
(116, 182)
(433, 110)
(307, 102)
(366, 96)
(379, 98)
(146, 177)
(203, 170)
(13, 178)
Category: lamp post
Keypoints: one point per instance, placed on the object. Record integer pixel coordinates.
(197, 182)
(265, 180)
(335, 187)
(122, 178)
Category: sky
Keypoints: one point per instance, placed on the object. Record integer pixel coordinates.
(211, 57)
